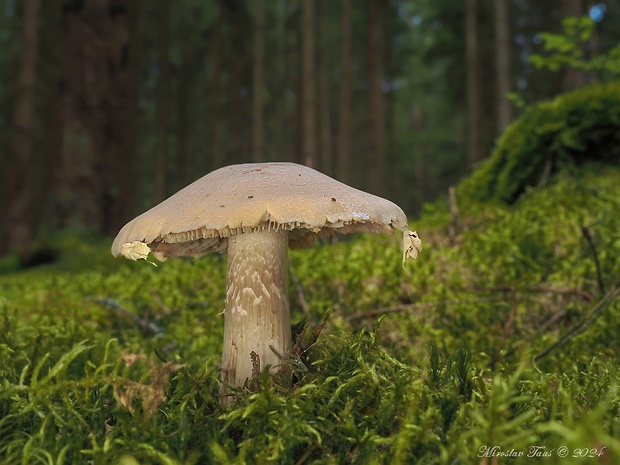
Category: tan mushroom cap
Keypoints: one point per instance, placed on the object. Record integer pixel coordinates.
(258, 196)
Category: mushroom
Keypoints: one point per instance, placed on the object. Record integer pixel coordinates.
(253, 212)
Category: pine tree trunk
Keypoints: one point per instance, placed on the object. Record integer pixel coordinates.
(186, 79)
(344, 124)
(572, 78)
(297, 107)
(213, 125)
(50, 76)
(391, 162)
(280, 142)
(163, 101)
(18, 219)
(502, 61)
(238, 23)
(308, 86)
(417, 193)
(326, 157)
(474, 92)
(92, 171)
(374, 162)
(258, 130)
(128, 173)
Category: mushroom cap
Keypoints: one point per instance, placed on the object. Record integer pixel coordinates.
(255, 196)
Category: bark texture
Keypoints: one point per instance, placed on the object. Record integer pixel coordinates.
(374, 162)
(474, 91)
(258, 82)
(344, 130)
(18, 216)
(502, 60)
(308, 86)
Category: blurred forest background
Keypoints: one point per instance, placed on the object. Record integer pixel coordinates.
(109, 106)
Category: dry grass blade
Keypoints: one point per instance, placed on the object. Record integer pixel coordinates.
(596, 311)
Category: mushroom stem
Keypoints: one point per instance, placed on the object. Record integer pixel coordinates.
(257, 311)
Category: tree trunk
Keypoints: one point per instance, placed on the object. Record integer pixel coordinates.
(128, 173)
(186, 79)
(391, 71)
(18, 217)
(258, 82)
(502, 62)
(308, 87)
(238, 23)
(344, 123)
(213, 125)
(572, 78)
(297, 107)
(92, 172)
(49, 146)
(417, 192)
(474, 91)
(163, 101)
(280, 142)
(326, 158)
(374, 161)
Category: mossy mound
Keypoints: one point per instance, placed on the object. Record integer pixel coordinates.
(571, 130)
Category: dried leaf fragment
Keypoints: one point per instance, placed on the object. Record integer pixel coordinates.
(136, 250)
(412, 245)
(152, 395)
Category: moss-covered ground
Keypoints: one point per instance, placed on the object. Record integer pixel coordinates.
(500, 344)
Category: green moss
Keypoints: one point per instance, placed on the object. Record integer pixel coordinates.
(575, 128)
(118, 363)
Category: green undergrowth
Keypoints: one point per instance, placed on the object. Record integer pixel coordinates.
(572, 130)
(502, 338)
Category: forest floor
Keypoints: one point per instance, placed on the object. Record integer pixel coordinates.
(501, 340)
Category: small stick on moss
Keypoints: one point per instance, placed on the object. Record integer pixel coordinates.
(307, 454)
(599, 275)
(256, 371)
(300, 294)
(146, 327)
(588, 319)
(454, 214)
(294, 361)
(544, 290)
(422, 305)
(508, 325)
(546, 174)
(160, 302)
(318, 329)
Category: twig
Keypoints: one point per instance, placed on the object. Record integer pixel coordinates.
(454, 214)
(307, 454)
(508, 326)
(599, 275)
(300, 294)
(160, 302)
(407, 307)
(546, 290)
(292, 360)
(256, 371)
(557, 316)
(318, 329)
(147, 327)
(544, 177)
(580, 327)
